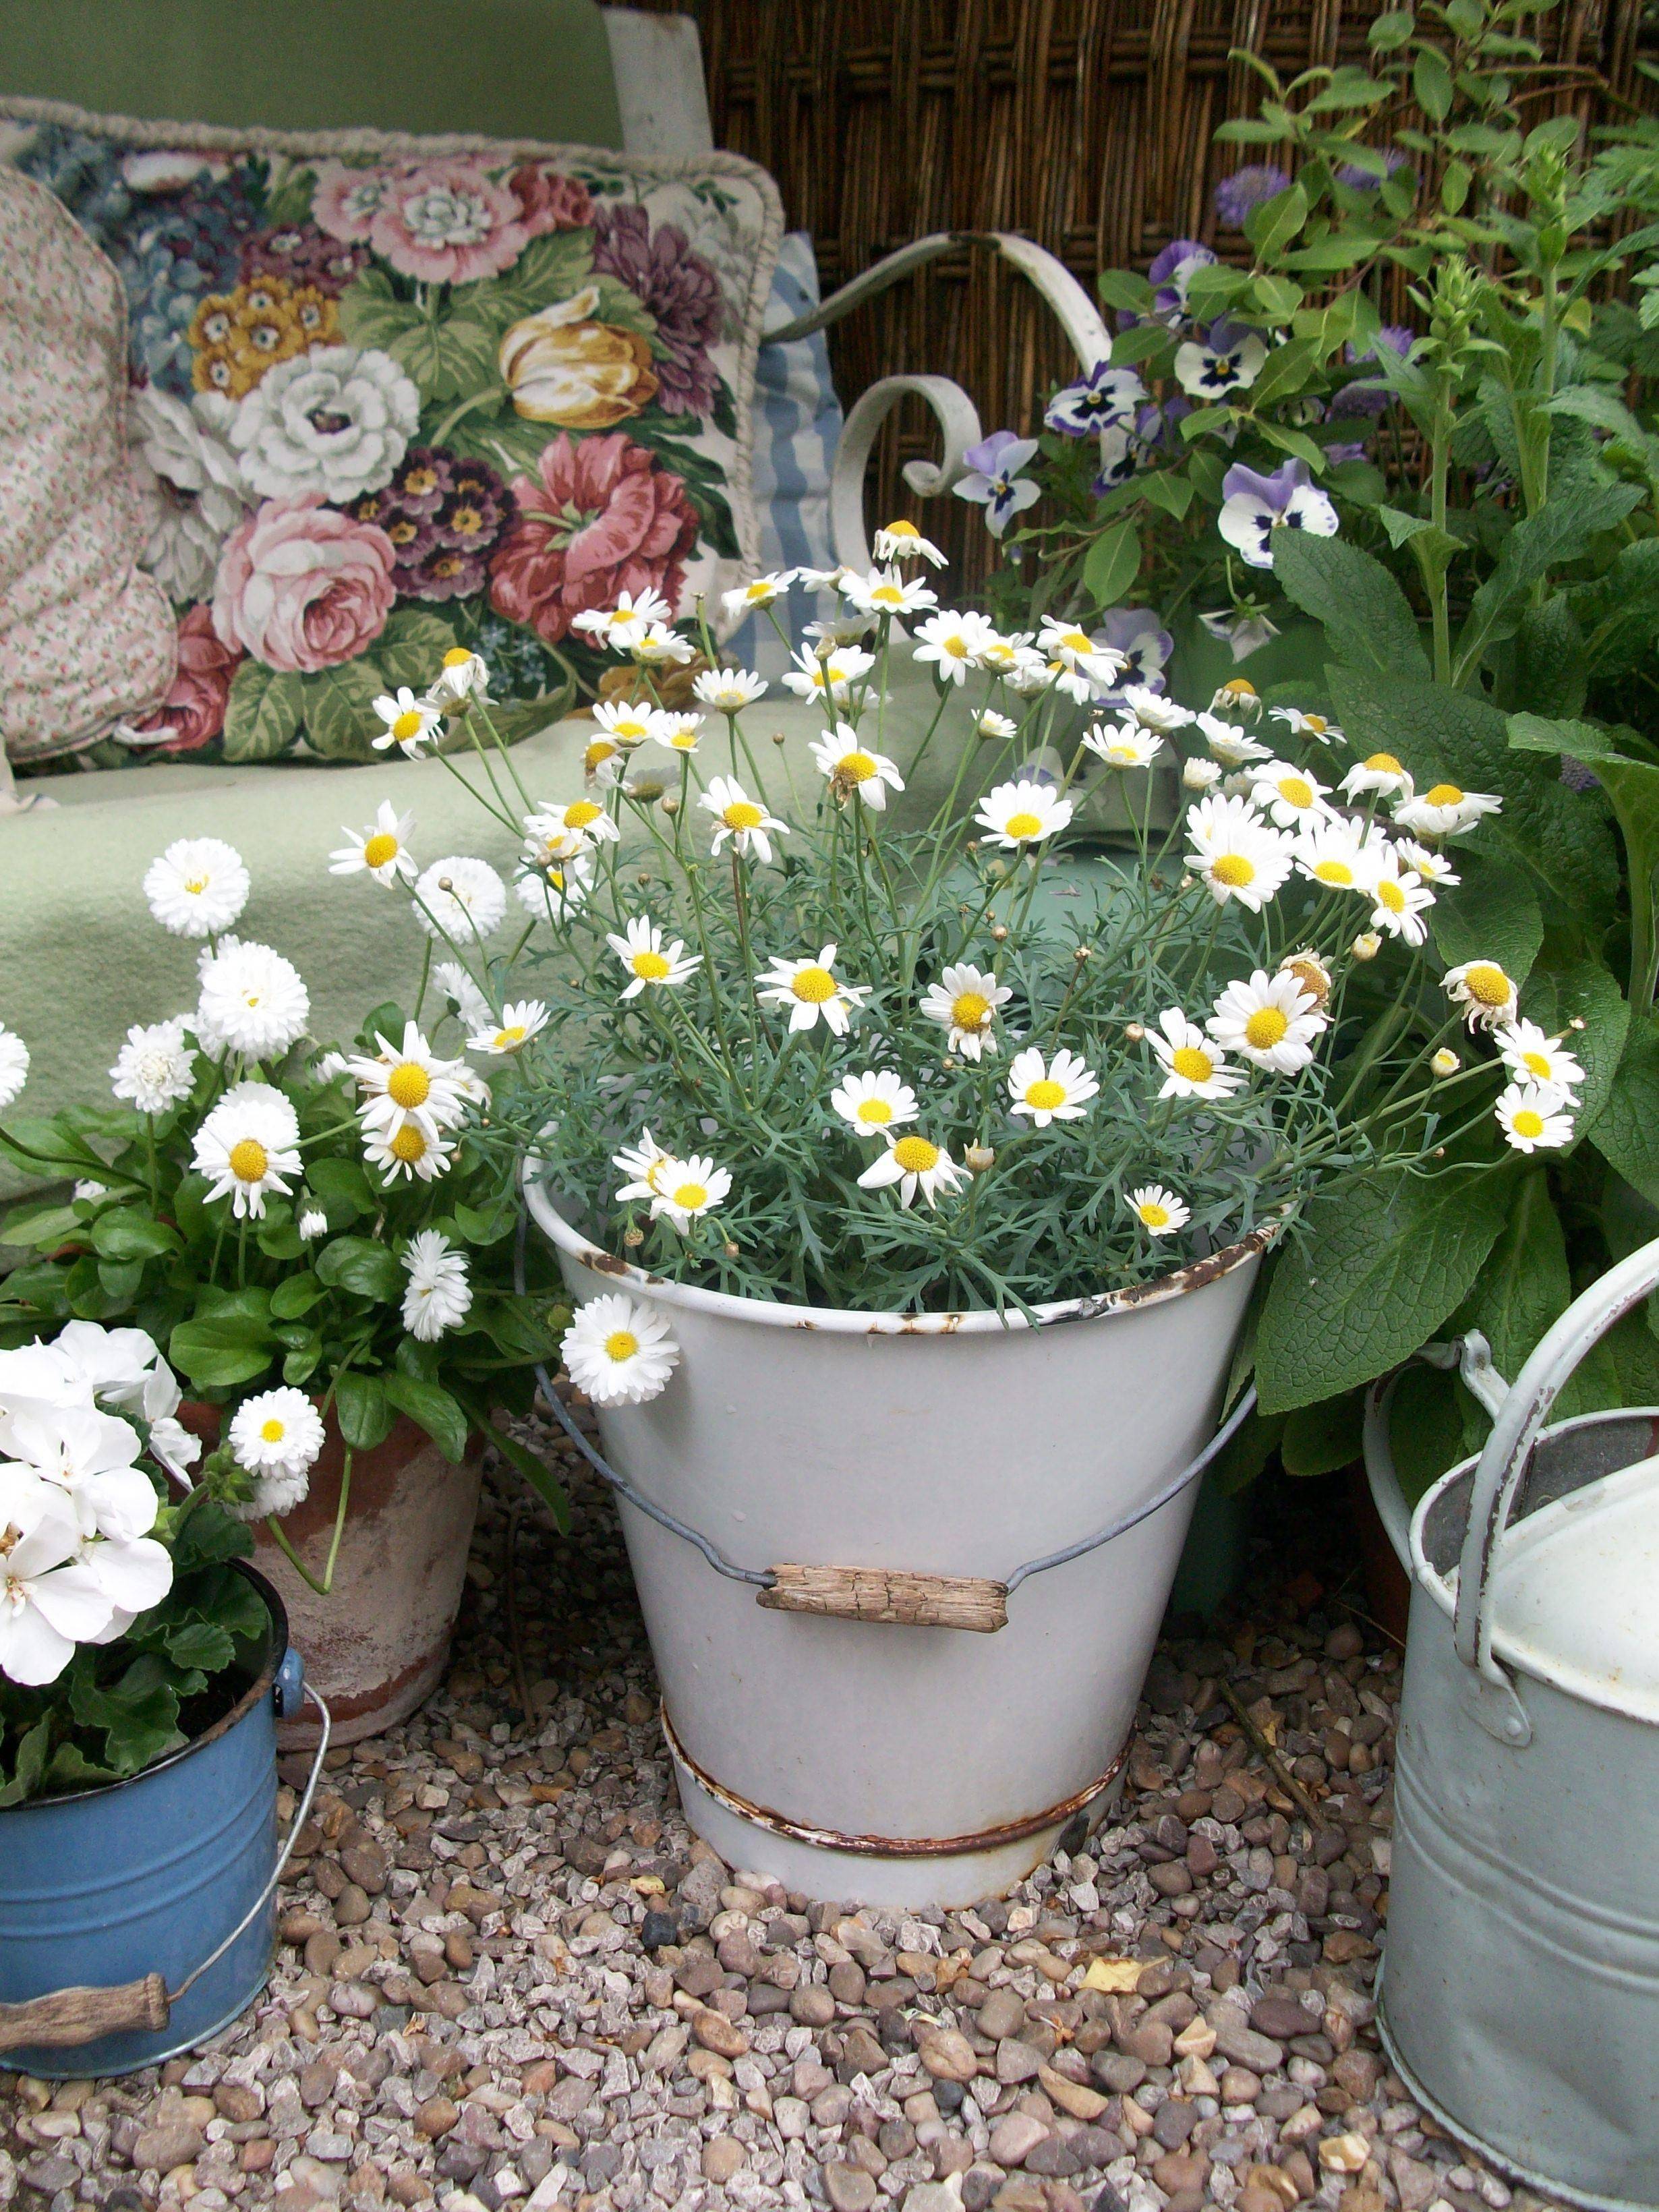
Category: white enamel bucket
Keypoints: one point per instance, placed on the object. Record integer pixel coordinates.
(853, 1754)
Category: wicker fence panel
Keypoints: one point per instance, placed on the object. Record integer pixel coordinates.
(1086, 125)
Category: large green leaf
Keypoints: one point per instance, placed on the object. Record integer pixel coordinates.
(1633, 787)
(432, 1408)
(1618, 615)
(1491, 915)
(411, 649)
(1111, 564)
(363, 1409)
(1525, 1285)
(217, 1351)
(1561, 532)
(1366, 615)
(341, 722)
(1628, 1128)
(131, 1232)
(1561, 992)
(359, 1265)
(262, 714)
(1381, 1263)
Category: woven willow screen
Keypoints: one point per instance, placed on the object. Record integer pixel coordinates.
(1085, 124)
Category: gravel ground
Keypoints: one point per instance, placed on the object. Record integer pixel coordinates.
(509, 1976)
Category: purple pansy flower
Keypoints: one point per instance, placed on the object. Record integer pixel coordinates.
(1119, 459)
(682, 291)
(1106, 396)
(1245, 189)
(1367, 395)
(994, 479)
(1226, 359)
(1134, 632)
(1173, 270)
(1254, 506)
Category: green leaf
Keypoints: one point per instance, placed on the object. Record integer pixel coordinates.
(1382, 1262)
(30, 1764)
(1390, 32)
(217, 1351)
(1541, 733)
(203, 1643)
(343, 1187)
(411, 649)
(1493, 914)
(1292, 441)
(294, 1295)
(363, 1409)
(42, 1224)
(262, 714)
(1111, 564)
(1628, 1128)
(1562, 991)
(340, 720)
(1618, 614)
(360, 1265)
(1431, 84)
(1319, 1439)
(1561, 532)
(1366, 615)
(1284, 372)
(540, 1477)
(1633, 787)
(1550, 669)
(1272, 224)
(1525, 1283)
(1163, 488)
(127, 1233)
(432, 1408)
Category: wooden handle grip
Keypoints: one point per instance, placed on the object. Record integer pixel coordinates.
(890, 1593)
(81, 2015)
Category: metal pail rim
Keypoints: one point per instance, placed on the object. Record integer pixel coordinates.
(260, 1687)
(842, 1321)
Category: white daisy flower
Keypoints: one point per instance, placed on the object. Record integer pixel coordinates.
(902, 541)
(1238, 696)
(1379, 772)
(407, 1151)
(198, 887)
(739, 817)
(1123, 744)
(1233, 747)
(630, 617)
(829, 675)
(1032, 673)
(1199, 775)
(1193, 1066)
(852, 770)
(686, 1189)
(14, 1066)
(1058, 1090)
(1155, 712)
(277, 1436)
(1366, 946)
(1065, 642)
(729, 691)
(989, 723)
(642, 1164)
(1023, 813)
(760, 592)
(1444, 1062)
(618, 1351)
(311, 1224)
(461, 899)
(1238, 854)
(1399, 898)
(964, 1001)
(155, 1068)
(1307, 725)
(677, 731)
(1486, 994)
(409, 1085)
(521, 1020)
(812, 991)
(463, 994)
(1536, 1057)
(1433, 867)
(88, 1189)
(248, 1144)
(873, 1102)
(626, 720)
(1310, 971)
(407, 722)
(1271, 1021)
(381, 850)
(329, 1065)
(641, 950)
(658, 645)
(552, 889)
(463, 675)
(439, 1293)
(564, 832)
(1292, 797)
(885, 591)
(953, 643)
(1000, 656)
(914, 1164)
(1443, 810)
(1533, 1116)
(253, 1001)
(1335, 852)
(1158, 1211)
(603, 761)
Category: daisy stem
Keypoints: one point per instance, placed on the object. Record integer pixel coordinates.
(741, 894)
(482, 983)
(946, 690)
(339, 1519)
(478, 707)
(426, 977)
(154, 1173)
(242, 1253)
(473, 792)
(692, 873)
(279, 1537)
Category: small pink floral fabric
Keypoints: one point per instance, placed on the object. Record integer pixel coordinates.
(87, 637)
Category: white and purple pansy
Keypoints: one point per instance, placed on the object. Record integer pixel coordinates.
(1106, 398)
(1120, 455)
(1171, 273)
(1254, 506)
(1243, 628)
(1135, 635)
(1226, 359)
(993, 480)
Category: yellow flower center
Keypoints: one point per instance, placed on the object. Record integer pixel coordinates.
(195, 885)
(1296, 791)
(631, 733)
(874, 1113)
(578, 816)
(683, 740)
(409, 1145)
(956, 645)
(407, 725)
(901, 530)
(690, 1195)
(456, 657)
(272, 1430)
(249, 1160)
(509, 1040)
(1239, 687)
(1335, 872)
(380, 848)
(970, 1010)
(1154, 1215)
(1486, 982)
(1384, 764)
(598, 752)
(915, 1155)
(1233, 869)
(621, 1344)
(855, 767)
(1266, 1028)
(1076, 640)
(1192, 1063)
(1316, 723)
(1023, 826)
(889, 595)
(814, 985)
(409, 1085)
(741, 814)
(1528, 1123)
(1391, 894)
(652, 967)
(759, 590)
(1537, 1064)
(1045, 1094)
(1443, 795)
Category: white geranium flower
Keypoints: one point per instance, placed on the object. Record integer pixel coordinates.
(1536, 1057)
(1058, 1090)
(333, 423)
(1238, 854)
(88, 1459)
(1534, 1117)
(189, 482)
(551, 891)
(439, 1293)
(1271, 1021)
(464, 676)
(1399, 898)
(1379, 772)
(1486, 993)
(748, 824)
(461, 899)
(253, 1001)
(1443, 810)
(14, 1066)
(953, 643)
(902, 541)
(729, 691)
(649, 963)
(1123, 744)
(853, 771)
(915, 1163)
(381, 850)
(1022, 813)
(49, 1601)
(276, 1436)
(686, 1189)
(812, 992)
(875, 1102)
(1194, 1067)
(248, 1145)
(964, 1001)
(521, 1020)
(618, 1351)
(1158, 1211)
(759, 591)
(155, 1068)
(642, 1165)
(410, 1085)
(884, 592)
(1291, 797)
(198, 887)
(406, 721)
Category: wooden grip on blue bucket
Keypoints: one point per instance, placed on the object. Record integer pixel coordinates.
(82, 2015)
(889, 1593)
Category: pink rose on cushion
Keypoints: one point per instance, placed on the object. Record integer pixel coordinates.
(193, 711)
(447, 223)
(601, 516)
(301, 586)
(551, 202)
(347, 199)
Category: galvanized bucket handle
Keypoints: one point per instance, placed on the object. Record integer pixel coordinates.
(1523, 1413)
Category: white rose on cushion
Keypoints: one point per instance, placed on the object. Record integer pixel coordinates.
(189, 481)
(334, 422)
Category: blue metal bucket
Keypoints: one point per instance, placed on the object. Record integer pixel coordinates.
(109, 1885)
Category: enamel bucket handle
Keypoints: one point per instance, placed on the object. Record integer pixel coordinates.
(1509, 1450)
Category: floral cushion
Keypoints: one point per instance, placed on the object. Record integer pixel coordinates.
(390, 396)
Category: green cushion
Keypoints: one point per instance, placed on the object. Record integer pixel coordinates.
(499, 69)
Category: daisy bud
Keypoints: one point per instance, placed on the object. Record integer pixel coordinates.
(1445, 1062)
(1577, 1023)
(633, 1235)
(998, 931)
(779, 738)
(977, 1159)
(729, 1249)
(1366, 946)
(1134, 1032)
(1201, 774)
(1082, 953)
(671, 804)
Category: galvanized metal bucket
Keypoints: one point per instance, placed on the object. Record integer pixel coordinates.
(872, 1690)
(136, 1918)
(1520, 1991)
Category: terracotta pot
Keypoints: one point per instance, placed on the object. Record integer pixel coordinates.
(1388, 1586)
(376, 1646)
